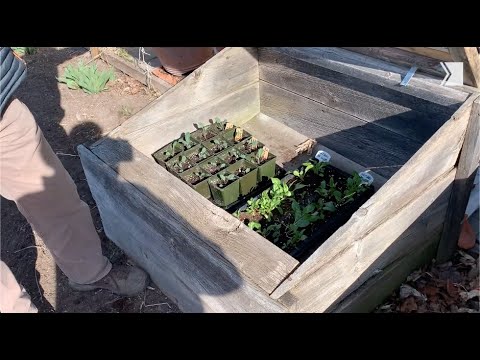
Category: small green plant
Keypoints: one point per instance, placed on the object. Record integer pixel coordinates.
(124, 54)
(219, 145)
(170, 151)
(225, 178)
(303, 171)
(270, 199)
(187, 141)
(22, 51)
(87, 77)
(319, 168)
(126, 111)
(303, 218)
(354, 186)
(259, 156)
(219, 124)
(272, 231)
(203, 153)
(182, 160)
(254, 225)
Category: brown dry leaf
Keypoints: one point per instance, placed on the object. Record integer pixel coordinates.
(408, 305)
(407, 291)
(466, 259)
(451, 289)
(430, 291)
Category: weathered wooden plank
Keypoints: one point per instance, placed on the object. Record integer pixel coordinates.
(350, 266)
(403, 58)
(471, 60)
(415, 247)
(467, 166)
(291, 147)
(135, 72)
(196, 215)
(228, 71)
(94, 52)
(403, 198)
(378, 288)
(181, 259)
(238, 107)
(435, 53)
(414, 118)
(382, 73)
(369, 145)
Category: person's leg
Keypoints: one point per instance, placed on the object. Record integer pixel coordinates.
(33, 176)
(13, 297)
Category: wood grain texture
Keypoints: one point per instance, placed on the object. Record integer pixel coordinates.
(435, 53)
(471, 60)
(466, 171)
(225, 73)
(193, 214)
(134, 71)
(238, 107)
(285, 142)
(347, 267)
(192, 270)
(398, 199)
(367, 144)
(379, 287)
(398, 112)
(403, 58)
(382, 73)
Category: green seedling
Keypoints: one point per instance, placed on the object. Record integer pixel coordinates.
(215, 166)
(187, 141)
(219, 145)
(225, 178)
(179, 164)
(319, 168)
(254, 225)
(22, 51)
(272, 231)
(303, 218)
(87, 77)
(203, 153)
(270, 199)
(303, 171)
(354, 186)
(170, 151)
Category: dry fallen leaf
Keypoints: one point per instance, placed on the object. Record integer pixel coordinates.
(430, 290)
(407, 290)
(408, 305)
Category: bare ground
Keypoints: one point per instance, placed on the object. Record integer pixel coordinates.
(69, 118)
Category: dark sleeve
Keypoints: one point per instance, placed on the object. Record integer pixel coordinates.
(12, 73)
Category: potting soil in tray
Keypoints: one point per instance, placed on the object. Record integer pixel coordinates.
(311, 231)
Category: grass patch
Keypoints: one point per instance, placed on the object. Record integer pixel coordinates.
(87, 77)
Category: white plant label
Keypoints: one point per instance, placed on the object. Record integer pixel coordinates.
(323, 156)
(366, 178)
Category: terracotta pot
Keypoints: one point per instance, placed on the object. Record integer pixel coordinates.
(180, 60)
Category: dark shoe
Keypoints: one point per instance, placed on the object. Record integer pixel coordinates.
(122, 280)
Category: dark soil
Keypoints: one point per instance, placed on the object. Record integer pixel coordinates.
(195, 179)
(214, 169)
(242, 171)
(222, 184)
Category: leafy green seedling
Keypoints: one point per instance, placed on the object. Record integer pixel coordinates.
(254, 225)
(303, 171)
(187, 141)
(203, 153)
